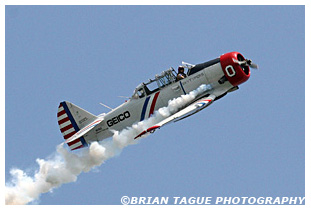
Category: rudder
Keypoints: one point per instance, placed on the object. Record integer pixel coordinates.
(71, 119)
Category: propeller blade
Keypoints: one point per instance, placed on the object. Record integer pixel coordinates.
(246, 62)
(254, 66)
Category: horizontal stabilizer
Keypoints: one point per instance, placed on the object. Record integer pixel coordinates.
(84, 130)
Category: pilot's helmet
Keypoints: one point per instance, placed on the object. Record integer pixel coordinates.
(180, 68)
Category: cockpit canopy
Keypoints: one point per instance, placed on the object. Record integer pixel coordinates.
(153, 85)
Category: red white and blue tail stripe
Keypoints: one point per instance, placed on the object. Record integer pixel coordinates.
(69, 127)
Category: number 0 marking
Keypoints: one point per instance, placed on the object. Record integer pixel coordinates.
(230, 71)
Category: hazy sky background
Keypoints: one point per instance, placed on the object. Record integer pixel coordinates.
(249, 143)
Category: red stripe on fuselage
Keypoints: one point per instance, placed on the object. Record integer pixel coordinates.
(154, 101)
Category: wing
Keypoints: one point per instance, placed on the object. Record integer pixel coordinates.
(186, 112)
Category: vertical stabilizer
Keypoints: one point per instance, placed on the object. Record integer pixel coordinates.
(71, 119)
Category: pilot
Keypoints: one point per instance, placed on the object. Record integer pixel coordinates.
(181, 74)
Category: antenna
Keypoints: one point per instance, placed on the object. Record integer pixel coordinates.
(124, 97)
(106, 106)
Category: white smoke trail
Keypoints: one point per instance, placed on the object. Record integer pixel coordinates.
(64, 166)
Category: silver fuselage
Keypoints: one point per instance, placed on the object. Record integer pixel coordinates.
(138, 109)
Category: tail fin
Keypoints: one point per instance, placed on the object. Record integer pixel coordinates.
(71, 119)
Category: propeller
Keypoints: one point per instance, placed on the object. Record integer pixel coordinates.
(246, 62)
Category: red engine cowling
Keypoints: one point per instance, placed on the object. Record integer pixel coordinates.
(235, 73)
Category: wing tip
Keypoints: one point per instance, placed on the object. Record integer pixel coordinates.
(140, 135)
(153, 128)
(149, 130)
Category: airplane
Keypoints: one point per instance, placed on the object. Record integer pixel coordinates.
(221, 75)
